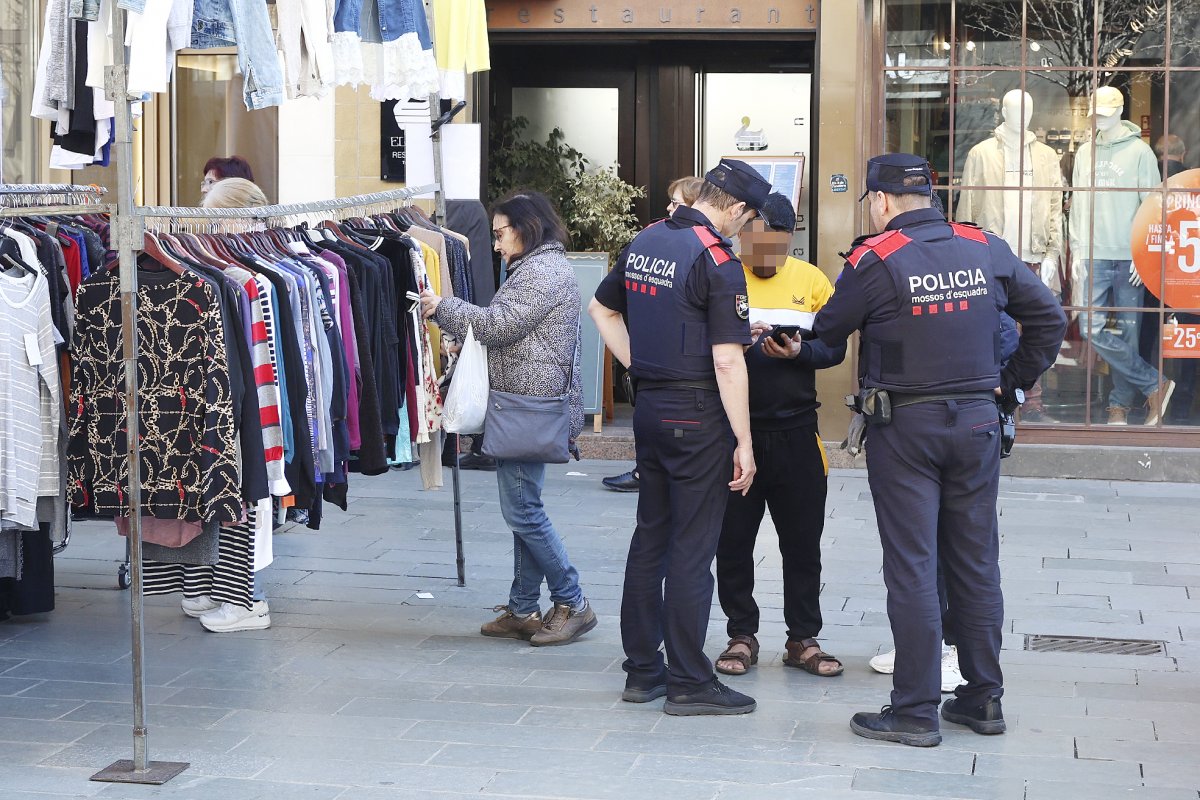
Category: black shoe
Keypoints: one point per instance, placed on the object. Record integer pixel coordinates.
(713, 698)
(626, 482)
(889, 727)
(644, 691)
(479, 462)
(987, 719)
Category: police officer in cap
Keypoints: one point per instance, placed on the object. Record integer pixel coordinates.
(927, 296)
(683, 294)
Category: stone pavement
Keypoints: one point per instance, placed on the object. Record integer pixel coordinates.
(366, 689)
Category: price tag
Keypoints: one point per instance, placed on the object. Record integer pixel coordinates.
(32, 351)
(1181, 341)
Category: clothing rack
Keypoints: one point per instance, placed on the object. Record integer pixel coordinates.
(17, 195)
(288, 209)
(128, 230)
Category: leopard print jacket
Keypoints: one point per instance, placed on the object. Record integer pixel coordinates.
(530, 329)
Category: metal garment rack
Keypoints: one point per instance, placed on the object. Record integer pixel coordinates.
(128, 230)
(28, 199)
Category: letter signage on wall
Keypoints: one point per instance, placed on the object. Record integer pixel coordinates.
(648, 15)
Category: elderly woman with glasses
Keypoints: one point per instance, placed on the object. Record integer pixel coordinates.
(531, 330)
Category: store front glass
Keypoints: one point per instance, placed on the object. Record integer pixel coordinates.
(1053, 123)
(18, 131)
(211, 120)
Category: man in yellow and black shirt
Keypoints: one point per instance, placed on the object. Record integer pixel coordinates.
(793, 469)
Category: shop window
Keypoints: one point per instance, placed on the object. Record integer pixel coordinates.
(18, 131)
(211, 120)
(965, 79)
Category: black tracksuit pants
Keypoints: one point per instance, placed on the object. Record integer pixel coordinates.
(791, 480)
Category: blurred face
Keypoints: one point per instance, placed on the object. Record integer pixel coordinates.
(210, 178)
(676, 202)
(508, 241)
(764, 250)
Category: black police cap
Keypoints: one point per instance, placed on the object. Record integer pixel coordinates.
(898, 173)
(739, 180)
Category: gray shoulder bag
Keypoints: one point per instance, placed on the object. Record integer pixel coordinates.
(521, 427)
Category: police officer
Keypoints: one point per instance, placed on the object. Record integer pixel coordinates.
(683, 292)
(927, 296)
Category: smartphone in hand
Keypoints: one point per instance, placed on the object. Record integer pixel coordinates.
(779, 331)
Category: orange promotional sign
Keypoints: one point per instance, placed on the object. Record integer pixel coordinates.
(1180, 341)
(1167, 256)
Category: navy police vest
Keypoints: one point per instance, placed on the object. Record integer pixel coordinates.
(946, 337)
(668, 331)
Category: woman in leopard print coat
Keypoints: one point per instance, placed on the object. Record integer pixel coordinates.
(531, 330)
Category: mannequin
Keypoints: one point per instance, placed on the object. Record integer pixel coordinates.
(1031, 222)
(1100, 229)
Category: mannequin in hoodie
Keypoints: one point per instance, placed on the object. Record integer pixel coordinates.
(1101, 248)
(1030, 222)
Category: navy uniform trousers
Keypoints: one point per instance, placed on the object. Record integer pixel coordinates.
(934, 474)
(685, 462)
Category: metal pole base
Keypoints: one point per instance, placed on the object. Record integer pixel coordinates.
(155, 774)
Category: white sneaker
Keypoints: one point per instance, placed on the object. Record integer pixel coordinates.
(884, 663)
(196, 607)
(951, 677)
(229, 618)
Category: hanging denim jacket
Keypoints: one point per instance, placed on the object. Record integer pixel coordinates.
(384, 20)
(245, 23)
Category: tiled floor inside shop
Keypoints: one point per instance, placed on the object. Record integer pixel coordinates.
(373, 683)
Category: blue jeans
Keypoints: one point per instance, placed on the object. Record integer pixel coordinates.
(245, 23)
(538, 552)
(1119, 348)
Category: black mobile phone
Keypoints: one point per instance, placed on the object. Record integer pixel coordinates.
(779, 331)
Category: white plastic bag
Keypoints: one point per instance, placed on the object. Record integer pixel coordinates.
(466, 401)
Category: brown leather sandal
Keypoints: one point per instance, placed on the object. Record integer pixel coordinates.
(746, 661)
(812, 664)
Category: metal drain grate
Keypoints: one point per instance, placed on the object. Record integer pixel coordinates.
(1092, 644)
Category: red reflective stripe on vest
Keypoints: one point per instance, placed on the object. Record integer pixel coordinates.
(969, 232)
(712, 244)
(706, 237)
(857, 255)
(888, 243)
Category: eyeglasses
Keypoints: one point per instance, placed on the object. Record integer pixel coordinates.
(498, 232)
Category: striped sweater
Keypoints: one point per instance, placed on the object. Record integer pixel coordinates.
(265, 380)
(30, 399)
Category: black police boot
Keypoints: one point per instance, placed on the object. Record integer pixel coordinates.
(890, 727)
(987, 718)
(626, 482)
(712, 698)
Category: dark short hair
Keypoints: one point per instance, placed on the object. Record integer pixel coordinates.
(231, 167)
(778, 213)
(716, 197)
(532, 216)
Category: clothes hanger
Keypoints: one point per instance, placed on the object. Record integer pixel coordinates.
(153, 248)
